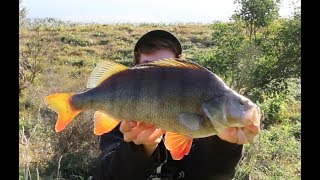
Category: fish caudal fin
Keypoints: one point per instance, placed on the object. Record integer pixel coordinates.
(60, 103)
(103, 123)
(178, 145)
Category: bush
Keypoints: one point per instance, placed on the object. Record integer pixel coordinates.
(104, 42)
(76, 147)
(283, 107)
(76, 62)
(34, 53)
(74, 40)
(275, 154)
(273, 110)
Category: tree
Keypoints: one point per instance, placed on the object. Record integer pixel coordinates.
(34, 52)
(297, 10)
(22, 15)
(256, 13)
(260, 69)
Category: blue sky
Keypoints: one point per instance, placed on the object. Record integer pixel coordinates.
(137, 11)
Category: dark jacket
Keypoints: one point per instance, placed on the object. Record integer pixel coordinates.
(209, 158)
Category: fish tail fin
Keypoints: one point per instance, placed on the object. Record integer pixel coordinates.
(103, 123)
(178, 145)
(61, 104)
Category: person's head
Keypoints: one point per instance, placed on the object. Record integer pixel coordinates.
(155, 45)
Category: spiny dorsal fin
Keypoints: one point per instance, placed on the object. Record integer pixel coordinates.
(173, 62)
(102, 71)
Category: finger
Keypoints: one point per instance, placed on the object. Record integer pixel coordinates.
(143, 137)
(251, 132)
(156, 134)
(133, 133)
(126, 126)
(253, 129)
(229, 134)
(144, 125)
(241, 136)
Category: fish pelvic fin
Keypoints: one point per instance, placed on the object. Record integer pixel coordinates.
(103, 123)
(61, 104)
(178, 145)
(102, 71)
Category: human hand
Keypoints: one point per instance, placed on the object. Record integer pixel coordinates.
(239, 135)
(244, 131)
(142, 133)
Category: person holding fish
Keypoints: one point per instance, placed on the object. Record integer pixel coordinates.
(165, 118)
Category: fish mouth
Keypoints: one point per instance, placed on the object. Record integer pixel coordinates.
(251, 117)
(231, 110)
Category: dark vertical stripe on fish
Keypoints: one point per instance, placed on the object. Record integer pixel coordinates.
(136, 94)
(113, 98)
(160, 91)
(183, 90)
(162, 87)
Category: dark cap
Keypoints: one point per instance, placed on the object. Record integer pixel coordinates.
(158, 34)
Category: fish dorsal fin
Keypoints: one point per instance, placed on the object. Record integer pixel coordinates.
(102, 71)
(173, 62)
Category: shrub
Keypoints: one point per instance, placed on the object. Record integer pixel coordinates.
(273, 110)
(34, 52)
(276, 154)
(74, 40)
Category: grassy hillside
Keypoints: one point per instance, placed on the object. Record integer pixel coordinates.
(61, 58)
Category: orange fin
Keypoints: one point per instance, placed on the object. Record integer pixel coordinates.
(103, 71)
(60, 103)
(103, 123)
(178, 145)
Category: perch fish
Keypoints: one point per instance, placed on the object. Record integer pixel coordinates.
(185, 99)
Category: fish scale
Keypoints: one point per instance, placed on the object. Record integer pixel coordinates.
(152, 95)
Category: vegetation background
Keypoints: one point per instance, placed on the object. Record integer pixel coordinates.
(257, 54)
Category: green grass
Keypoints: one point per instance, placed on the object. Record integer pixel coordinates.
(275, 154)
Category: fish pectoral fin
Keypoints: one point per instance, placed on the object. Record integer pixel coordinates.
(103, 123)
(213, 109)
(191, 120)
(178, 145)
(60, 103)
(102, 71)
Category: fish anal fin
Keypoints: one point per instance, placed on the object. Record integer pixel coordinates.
(103, 123)
(178, 145)
(102, 71)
